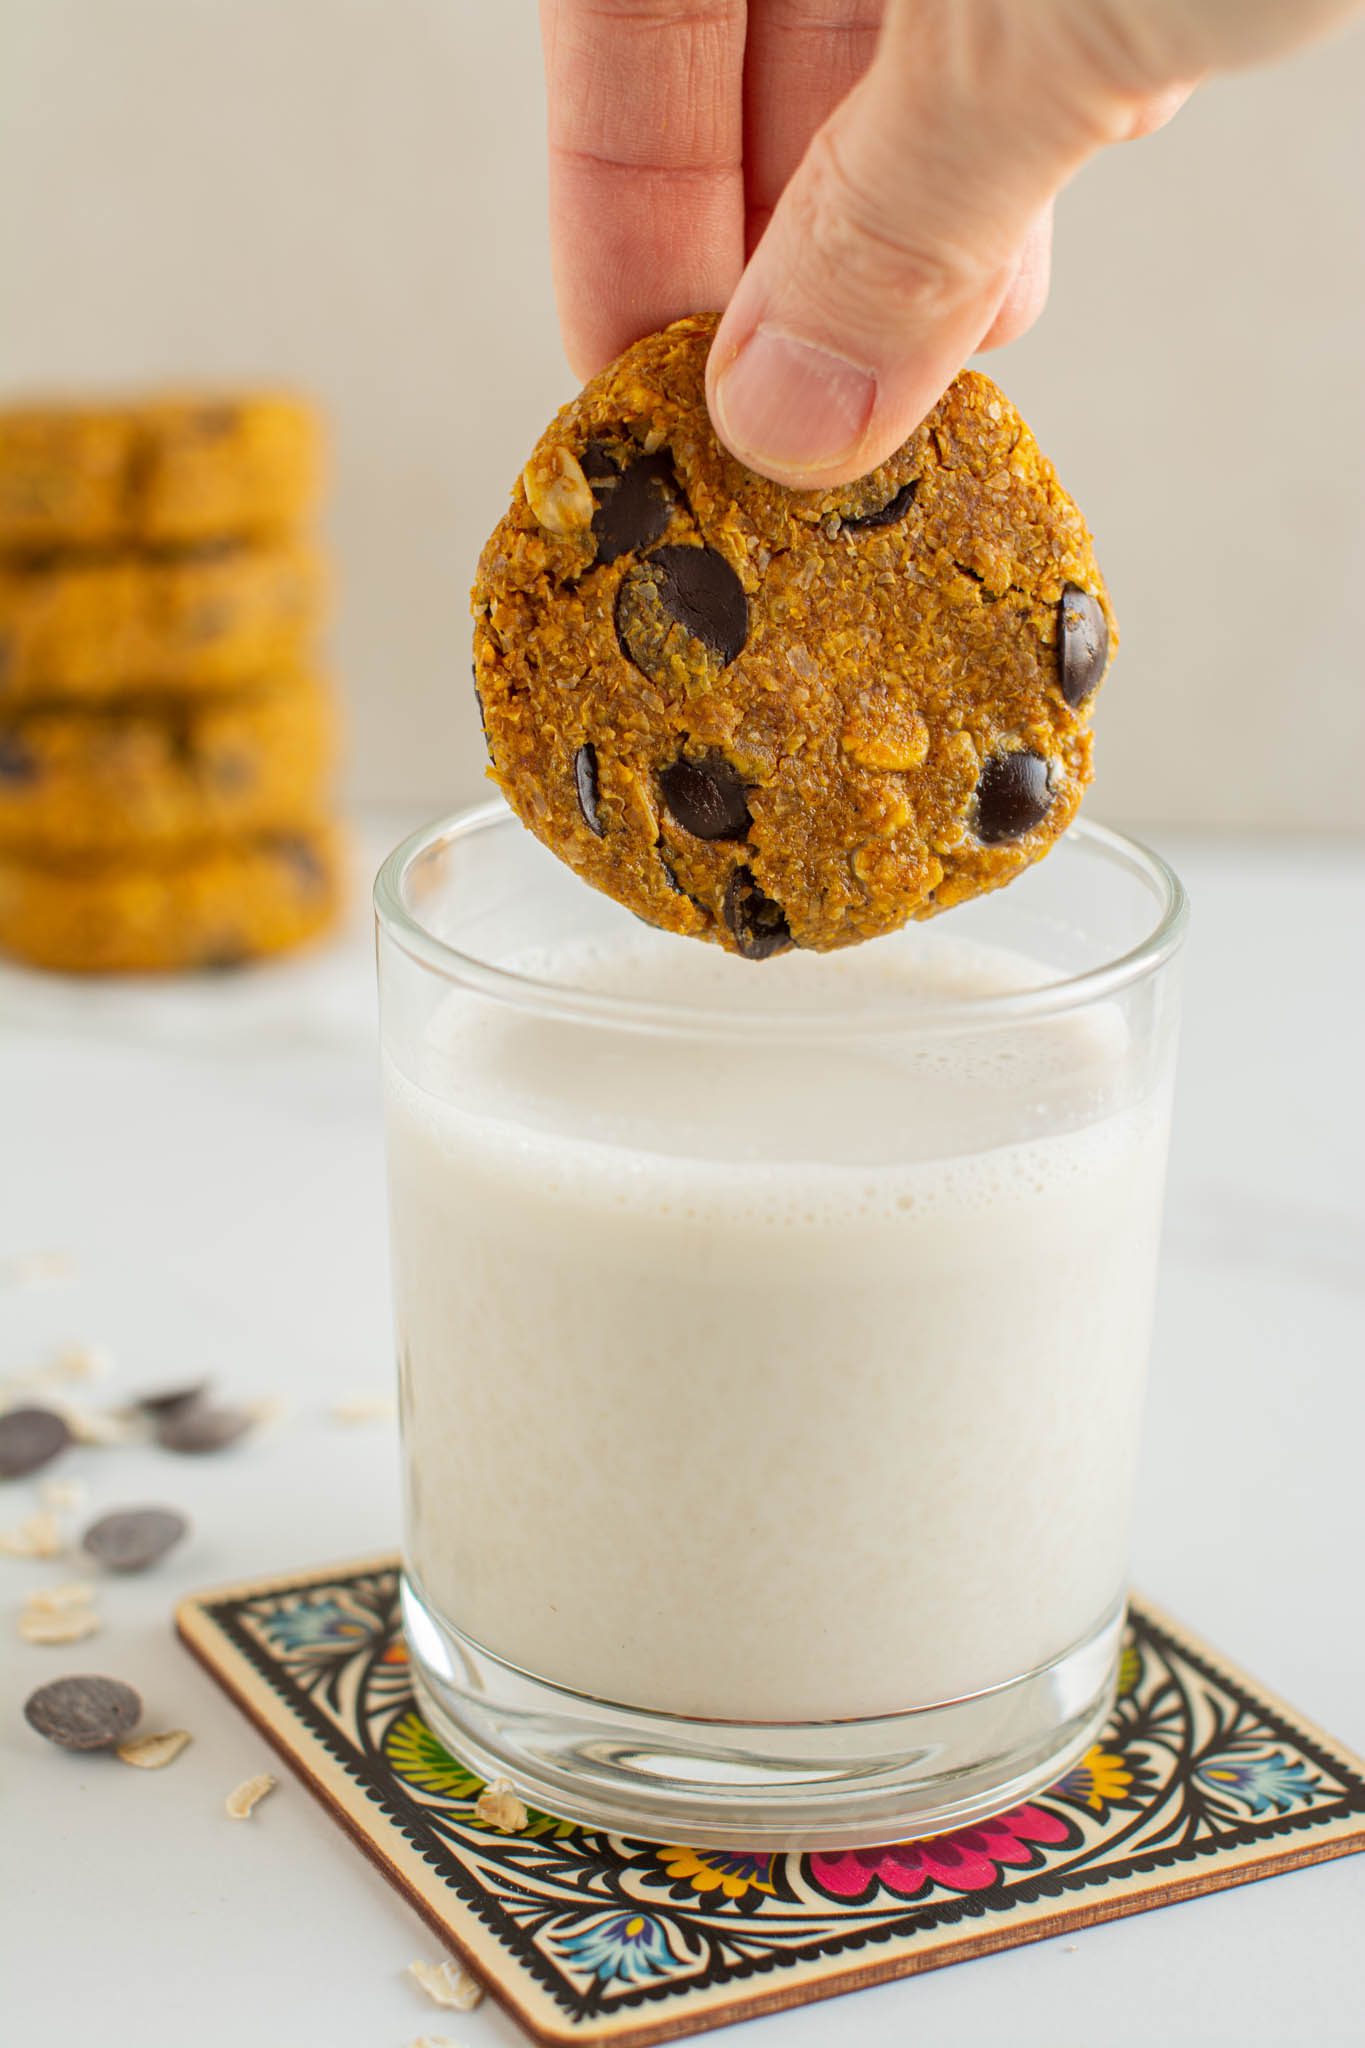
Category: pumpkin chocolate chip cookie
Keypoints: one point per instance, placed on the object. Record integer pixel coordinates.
(193, 770)
(213, 909)
(158, 473)
(132, 625)
(775, 718)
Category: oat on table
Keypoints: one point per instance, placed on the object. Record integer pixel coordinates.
(775, 718)
(211, 909)
(115, 781)
(126, 626)
(162, 471)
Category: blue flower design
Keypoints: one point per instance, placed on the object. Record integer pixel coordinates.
(620, 1948)
(1260, 1783)
(317, 1625)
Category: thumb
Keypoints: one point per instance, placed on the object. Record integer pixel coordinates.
(900, 233)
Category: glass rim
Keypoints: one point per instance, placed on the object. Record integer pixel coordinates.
(908, 1018)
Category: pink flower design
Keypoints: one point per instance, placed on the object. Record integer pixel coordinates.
(971, 1860)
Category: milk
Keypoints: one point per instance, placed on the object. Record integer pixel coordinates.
(771, 1384)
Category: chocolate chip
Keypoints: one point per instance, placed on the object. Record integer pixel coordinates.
(1082, 644)
(201, 1428)
(585, 780)
(708, 798)
(131, 1539)
(223, 956)
(84, 1712)
(670, 873)
(1012, 796)
(689, 589)
(758, 924)
(483, 716)
(29, 1439)
(887, 514)
(18, 762)
(633, 505)
(304, 859)
(171, 1400)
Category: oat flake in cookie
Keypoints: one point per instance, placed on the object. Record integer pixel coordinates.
(787, 718)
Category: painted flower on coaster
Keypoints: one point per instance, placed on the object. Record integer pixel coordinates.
(412, 1752)
(730, 1872)
(318, 1625)
(1100, 1780)
(620, 1948)
(1262, 1784)
(968, 1860)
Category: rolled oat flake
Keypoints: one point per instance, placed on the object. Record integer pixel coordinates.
(84, 1711)
(131, 1539)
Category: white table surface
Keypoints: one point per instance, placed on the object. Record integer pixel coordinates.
(214, 1172)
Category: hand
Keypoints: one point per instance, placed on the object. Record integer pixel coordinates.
(865, 185)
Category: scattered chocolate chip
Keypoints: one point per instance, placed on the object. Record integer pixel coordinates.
(887, 514)
(585, 780)
(1082, 643)
(29, 1439)
(172, 1400)
(18, 762)
(633, 505)
(84, 1712)
(708, 798)
(201, 1428)
(758, 924)
(1013, 795)
(131, 1539)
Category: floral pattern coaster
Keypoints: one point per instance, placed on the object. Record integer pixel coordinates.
(1202, 1780)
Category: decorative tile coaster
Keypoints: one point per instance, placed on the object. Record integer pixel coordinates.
(1202, 1780)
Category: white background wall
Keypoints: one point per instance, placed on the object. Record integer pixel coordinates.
(349, 193)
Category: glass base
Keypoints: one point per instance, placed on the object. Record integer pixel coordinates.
(766, 1785)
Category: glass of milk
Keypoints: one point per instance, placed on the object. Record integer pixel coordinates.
(772, 1338)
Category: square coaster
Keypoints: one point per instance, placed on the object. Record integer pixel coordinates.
(1202, 1780)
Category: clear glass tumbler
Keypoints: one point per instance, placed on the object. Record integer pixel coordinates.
(772, 1339)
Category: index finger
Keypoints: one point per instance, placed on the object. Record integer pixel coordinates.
(646, 116)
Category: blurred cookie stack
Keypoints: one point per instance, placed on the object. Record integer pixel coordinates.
(166, 739)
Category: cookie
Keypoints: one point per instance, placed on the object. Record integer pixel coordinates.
(133, 625)
(160, 472)
(214, 909)
(774, 718)
(182, 771)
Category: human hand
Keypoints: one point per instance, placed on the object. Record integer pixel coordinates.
(865, 185)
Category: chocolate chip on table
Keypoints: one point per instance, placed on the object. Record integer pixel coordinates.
(1013, 795)
(84, 1712)
(171, 1400)
(887, 514)
(1082, 644)
(708, 798)
(585, 780)
(200, 1428)
(18, 762)
(759, 926)
(633, 504)
(131, 1539)
(29, 1439)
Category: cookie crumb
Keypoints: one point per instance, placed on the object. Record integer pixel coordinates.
(62, 1493)
(241, 1803)
(59, 1599)
(499, 1805)
(364, 1408)
(82, 1362)
(448, 1984)
(36, 1269)
(72, 1626)
(37, 1535)
(154, 1752)
(101, 1428)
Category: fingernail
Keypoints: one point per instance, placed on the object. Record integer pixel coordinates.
(788, 404)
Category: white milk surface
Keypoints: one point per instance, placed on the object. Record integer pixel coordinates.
(771, 1386)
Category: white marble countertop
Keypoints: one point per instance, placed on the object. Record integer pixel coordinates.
(213, 1170)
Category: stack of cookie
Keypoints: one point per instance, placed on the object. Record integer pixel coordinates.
(166, 740)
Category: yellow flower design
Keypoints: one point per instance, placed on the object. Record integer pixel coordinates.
(730, 1872)
(1099, 1778)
